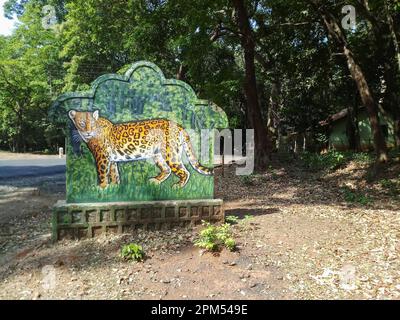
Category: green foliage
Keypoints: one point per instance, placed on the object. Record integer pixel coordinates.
(391, 186)
(231, 220)
(133, 252)
(247, 218)
(212, 238)
(30, 77)
(331, 160)
(199, 39)
(234, 220)
(355, 197)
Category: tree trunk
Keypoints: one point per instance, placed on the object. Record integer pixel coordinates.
(386, 50)
(357, 74)
(390, 96)
(355, 145)
(181, 74)
(275, 102)
(368, 101)
(273, 121)
(393, 35)
(396, 127)
(262, 145)
(19, 133)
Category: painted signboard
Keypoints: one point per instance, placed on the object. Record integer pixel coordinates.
(136, 137)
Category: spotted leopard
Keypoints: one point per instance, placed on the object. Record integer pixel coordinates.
(161, 140)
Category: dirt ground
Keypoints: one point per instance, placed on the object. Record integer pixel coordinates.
(298, 238)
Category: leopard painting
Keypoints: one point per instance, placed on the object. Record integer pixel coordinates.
(161, 140)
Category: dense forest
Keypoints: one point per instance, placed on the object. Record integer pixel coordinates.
(278, 66)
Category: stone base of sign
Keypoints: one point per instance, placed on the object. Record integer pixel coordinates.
(87, 220)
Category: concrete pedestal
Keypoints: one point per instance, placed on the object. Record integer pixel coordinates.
(87, 220)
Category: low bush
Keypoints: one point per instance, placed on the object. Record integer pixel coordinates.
(213, 238)
(355, 197)
(333, 159)
(132, 251)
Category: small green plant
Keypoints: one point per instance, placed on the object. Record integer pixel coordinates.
(392, 187)
(132, 251)
(247, 217)
(355, 197)
(387, 184)
(212, 238)
(230, 244)
(331, 160)
(231, 220)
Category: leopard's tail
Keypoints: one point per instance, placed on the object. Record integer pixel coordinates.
(192, 157)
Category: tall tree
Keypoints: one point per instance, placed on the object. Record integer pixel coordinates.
(386, 50)
(262, 145)
(336, 32)
(30, 76)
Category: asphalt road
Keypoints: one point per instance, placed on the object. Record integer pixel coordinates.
(10, 169)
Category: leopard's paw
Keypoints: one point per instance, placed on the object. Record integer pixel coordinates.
(177, 186)
(103, 186)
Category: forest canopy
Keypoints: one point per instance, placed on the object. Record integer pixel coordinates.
(277, 66)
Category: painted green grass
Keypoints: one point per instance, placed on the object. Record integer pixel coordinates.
(82, 182)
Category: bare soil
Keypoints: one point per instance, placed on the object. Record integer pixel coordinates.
(298, 238)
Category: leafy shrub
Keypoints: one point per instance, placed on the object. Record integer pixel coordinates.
(212, 238)
(355, 197)
(247, 217)
(392, 187)
(331, 160)
(132, 251)
(240, 222)
(231, 220)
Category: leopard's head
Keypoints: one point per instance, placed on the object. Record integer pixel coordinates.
(87, 124)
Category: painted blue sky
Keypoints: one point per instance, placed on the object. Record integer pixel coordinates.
(6, 25)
